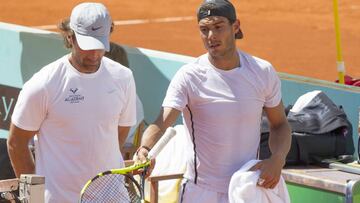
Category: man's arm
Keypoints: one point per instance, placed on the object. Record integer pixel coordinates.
(152, 134)
(123, 132)
(280, 132)
(279, 143)
(21, 158)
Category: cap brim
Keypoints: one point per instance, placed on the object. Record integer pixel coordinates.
(92, 43)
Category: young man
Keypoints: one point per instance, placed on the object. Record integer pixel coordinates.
(80, 108)
(221, 96)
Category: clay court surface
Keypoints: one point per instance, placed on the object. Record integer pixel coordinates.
(297, 36)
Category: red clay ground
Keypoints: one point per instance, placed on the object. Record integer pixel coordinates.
(297, 36)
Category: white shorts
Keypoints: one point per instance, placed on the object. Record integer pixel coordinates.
(191, 193)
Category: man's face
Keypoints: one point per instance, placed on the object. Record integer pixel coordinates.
(86, 60)
(218, 35)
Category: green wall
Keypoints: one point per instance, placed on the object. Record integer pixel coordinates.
(303, 194)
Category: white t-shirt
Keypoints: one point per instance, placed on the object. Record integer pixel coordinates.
(222, 113)
(77, 116)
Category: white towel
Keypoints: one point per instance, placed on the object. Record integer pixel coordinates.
(243, 188)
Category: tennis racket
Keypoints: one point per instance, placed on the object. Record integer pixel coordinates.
(119, 185)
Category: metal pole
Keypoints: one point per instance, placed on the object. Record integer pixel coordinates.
(339, 58)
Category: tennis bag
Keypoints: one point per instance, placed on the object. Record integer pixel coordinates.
(320, 130)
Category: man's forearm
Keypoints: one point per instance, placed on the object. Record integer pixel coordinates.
(22, 160)
(280, 141)
(123, 132)
(151, 135)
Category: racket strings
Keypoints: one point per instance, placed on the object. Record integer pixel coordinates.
(112, 188)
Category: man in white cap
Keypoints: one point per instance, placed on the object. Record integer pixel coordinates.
(80, 107)
(222, 95)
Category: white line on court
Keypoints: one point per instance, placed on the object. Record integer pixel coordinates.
(132, 22)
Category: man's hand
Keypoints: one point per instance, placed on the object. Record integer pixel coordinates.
(141, 157)
(279, 143)
(270, 171)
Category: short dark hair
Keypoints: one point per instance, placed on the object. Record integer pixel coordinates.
(222, 8)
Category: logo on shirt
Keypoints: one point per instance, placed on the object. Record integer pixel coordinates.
(111, 91)
(74, 98)
(73, 90)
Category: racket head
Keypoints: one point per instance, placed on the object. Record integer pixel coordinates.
(118, 185)
(112, 187)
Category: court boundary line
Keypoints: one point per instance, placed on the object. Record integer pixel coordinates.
(132, 22)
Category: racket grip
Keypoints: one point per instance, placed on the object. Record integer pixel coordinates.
(169, 133)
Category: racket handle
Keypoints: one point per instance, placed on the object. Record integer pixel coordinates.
(169, 133)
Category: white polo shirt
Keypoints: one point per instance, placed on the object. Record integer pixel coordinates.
(222, 114)
(77, 116)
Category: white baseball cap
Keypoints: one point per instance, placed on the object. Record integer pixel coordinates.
(91, 23)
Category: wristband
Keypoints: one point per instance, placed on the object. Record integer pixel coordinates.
(145, 147)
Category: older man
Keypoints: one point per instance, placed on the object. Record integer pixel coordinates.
(80, 107)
